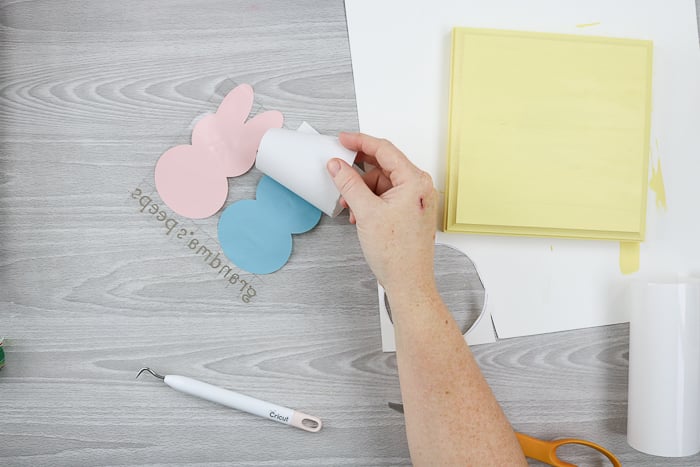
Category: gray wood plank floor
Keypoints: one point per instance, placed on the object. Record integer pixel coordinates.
(92, 288)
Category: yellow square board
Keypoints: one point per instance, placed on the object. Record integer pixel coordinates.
(548, 135)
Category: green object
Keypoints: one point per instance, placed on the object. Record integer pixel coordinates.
(2, 353)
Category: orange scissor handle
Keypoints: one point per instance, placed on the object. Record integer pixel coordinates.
(546, 451)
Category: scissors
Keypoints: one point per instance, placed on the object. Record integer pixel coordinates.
(546, 451)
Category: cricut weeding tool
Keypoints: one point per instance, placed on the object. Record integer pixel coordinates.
(239, 401)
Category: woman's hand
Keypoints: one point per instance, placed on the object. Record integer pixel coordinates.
(394, 206)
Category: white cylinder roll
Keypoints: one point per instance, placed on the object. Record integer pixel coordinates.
(297, 160)
(663, 412)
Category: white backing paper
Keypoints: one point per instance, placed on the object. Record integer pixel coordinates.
(400, 57)
(297, 160)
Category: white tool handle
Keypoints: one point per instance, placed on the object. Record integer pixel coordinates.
(244, 403)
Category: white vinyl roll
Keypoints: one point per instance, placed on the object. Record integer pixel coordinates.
(664, 368)
(297, 160)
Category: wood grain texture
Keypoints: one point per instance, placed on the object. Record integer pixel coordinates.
(92, 289)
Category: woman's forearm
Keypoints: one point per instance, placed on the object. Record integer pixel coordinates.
(447, 402)
(452, 417)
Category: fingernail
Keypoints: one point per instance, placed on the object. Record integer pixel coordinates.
(333, 167)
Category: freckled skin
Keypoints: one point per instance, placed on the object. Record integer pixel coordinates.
(452, 417)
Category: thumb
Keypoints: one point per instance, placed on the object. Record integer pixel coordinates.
(351, 186)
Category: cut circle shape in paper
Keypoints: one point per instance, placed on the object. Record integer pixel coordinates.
(459, 285)
(256, 235)
(192, 179)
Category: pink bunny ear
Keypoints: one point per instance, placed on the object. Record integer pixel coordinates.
(236, 105)
(213, 132)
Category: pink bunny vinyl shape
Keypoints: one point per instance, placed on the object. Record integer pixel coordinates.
(192, 178)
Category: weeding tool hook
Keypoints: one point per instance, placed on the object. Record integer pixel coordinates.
(151, 372)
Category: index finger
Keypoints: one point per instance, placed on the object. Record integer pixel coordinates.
(379, 152)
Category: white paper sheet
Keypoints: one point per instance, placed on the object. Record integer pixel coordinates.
(400, 53)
